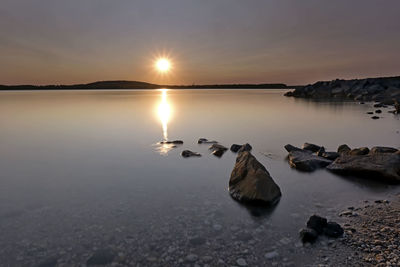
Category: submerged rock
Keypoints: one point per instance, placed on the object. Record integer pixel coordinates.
(305, 161)
(206, 141)
(380, 166)
(250, 182)
(188, 153)
(101, 257)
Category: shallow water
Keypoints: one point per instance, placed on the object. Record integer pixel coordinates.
(82, 171)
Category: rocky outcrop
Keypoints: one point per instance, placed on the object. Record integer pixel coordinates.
(380, 166)
(188, 153)
(384, 90)
(305, 160)
(250, 182)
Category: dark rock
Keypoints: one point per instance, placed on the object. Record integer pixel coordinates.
(175, 142)
(188, 153)
(374, 117)
(305, 161)
(343, 149)
(359, 151)
(290, 93)
(246, 147)
(379, 105)
(290, 148)
(218, 150)
(370, 112)
(101, 257)
(397, 107)
(378, 111)
(206, 141)
(379, 166)
(317, 223)
(321, 151)
(311, 147)
(250, 181)
(49, 262)
(333, 229)
(235, 147)
(383, 149)
(308, 235)
(331, 155)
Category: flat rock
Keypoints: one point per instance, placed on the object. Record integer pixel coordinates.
(305, 161)
(218, 150)
(311, 147)
(250, 181)
(380, 166)
(175, 142)
(188, 153)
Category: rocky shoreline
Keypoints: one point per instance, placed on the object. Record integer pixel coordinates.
(384, 91)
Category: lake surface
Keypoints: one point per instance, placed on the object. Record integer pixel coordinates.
(81, 171)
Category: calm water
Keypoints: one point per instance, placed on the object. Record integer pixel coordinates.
(82, 171)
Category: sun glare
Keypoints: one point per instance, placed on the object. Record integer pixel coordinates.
(163, 65)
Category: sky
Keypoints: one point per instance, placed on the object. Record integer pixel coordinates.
(208, 41)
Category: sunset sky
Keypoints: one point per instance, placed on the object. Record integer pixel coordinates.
(208, 41)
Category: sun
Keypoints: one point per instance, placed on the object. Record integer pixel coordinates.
(163, 65)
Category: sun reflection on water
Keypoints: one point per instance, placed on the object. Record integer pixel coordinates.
(164, 113)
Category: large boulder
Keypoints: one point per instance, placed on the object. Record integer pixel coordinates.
(305, 161)
(380, 166)
(250, 182)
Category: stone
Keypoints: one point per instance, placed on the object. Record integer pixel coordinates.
(378, 111)
(343, 149)
(235, 147)
(241, 262)
(218, 150)
(271, 255)
(370, 112)
(359, 151)
(246, 147)
(383, 149)
(333, 229)
(375, 117)
(317, 223)
(311, 147)
(308, 235)
(101, 257)
(384, 167)
(206, 141)
(175, 142)
(250, 181)
(305, 161)
(188, 153)
(290, 148)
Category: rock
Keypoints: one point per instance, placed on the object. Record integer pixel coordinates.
(218, 150)
(49, 262)
(383, 149)
(397, 107)
(378, 105)
(101, 257)
(290, 148)
(359, 151)
(206, 141)
(305, 161)
(235, 147)
(380, 166)
(374, 117)
(271, 255)
(308, 235)
(175, 142)
(330, 155)
(343, 149)
(370, 112)
(333, 229)
(246, 147)
(250, 181)
(188, 153)
(317, 223)
(191, 258)
(241, 262)
(378, 111)
(311, 147)
(321, 151)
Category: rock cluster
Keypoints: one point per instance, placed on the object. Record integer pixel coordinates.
(384, 90)
(380, 163)
(317, 225)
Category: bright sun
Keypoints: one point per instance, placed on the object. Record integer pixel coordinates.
(163, 65)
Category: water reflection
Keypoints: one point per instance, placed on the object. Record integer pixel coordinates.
(164, 112)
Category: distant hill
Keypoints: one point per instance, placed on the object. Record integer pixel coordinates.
(139, 85)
